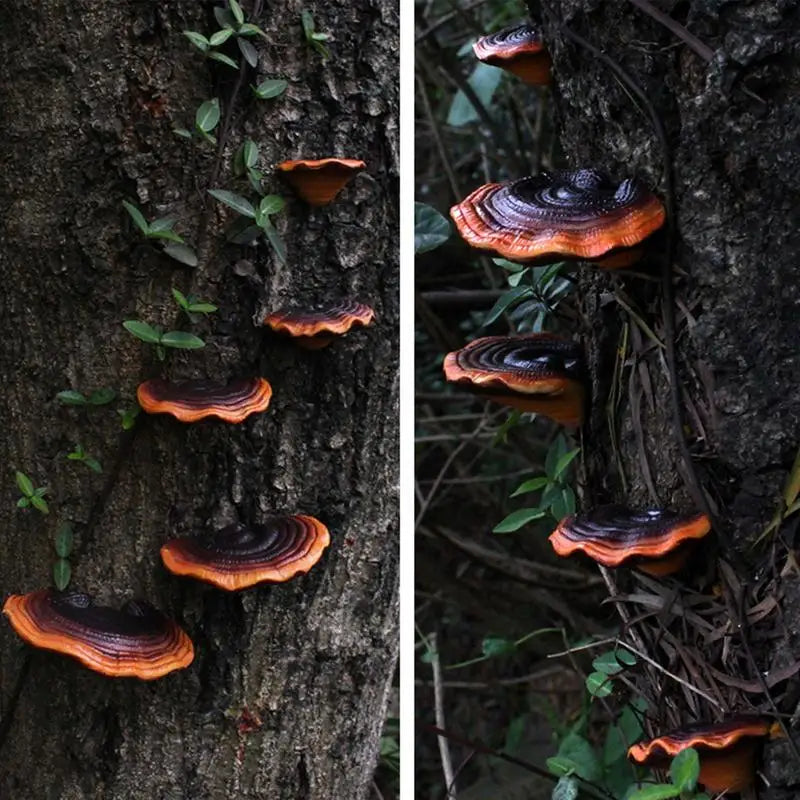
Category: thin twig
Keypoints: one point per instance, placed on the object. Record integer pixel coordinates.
(438, 704)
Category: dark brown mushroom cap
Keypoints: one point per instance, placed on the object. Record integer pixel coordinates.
(726, 749)
(239, 556)
(560, 215)
(319, 181)
(537, 372)
(614, 535)
(137, 641)
(322, 323)
(519, 49)
(194, 400)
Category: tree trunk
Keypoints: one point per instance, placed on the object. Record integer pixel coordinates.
(732, 125)
(288, 690)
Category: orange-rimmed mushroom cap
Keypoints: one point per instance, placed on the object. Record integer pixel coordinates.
(520, 50)
(656, 541)
(726, 750)
(239, 556)
(318, 182)
(135, 642)
(538, 372)
(317, 328)
(191, 401)
(578, 215)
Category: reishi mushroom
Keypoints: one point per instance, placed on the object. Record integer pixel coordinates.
(319, 181)
(553, 216)
(191, 401)
(518, 49)
(655, 541)
(239, 556)
(536, 372)
(135, 642)
(314, 329)
(727, 750)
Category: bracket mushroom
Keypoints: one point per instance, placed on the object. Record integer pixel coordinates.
(319, 181)
(239, 556)
(518, 49)
(655, 541)
(316, 329)
(191, 401)
(537, 372)
(135, 642)
(555, 216)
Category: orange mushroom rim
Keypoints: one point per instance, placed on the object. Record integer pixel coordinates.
(334, 320)
(311, 165)
(137, 641)
(577, 215)
(613, 535)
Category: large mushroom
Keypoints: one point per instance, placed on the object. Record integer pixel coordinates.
(537, 372)
(556, 216)
(655, 541)
(727, 750)
(319, 181)
(518, 49)
(317, 328)
(191, 401)
(239, 556)
(135, 642)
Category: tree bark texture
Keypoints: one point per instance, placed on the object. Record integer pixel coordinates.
(288, 690)
(733, 128)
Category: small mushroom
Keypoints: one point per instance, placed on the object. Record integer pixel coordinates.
(314, 329)
(727, 750)
(318, 182)
(194, 400)
(136, 642)
(537, 372)
(518, 49)
(655, 541)
(239, 556)
(578, 215)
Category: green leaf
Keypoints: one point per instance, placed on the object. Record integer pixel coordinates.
(182, 253)
(75, 456)
(236, 10)
(101, 397)
(180, 299)
(63, 540)
(575, 754)
(557, 449)
(255, 177)
(207, 115)
(220, 37)
(307, 20)
(182, 132)
(516, 519)
(249, 153)
(198, 40)
(23, 502)
(162, 224)
(39, 504)
(658, 791)
(224, 17)
(235, 201)
(223, 59)
(511, 266)
(607, 663)
(431, 229)
(170, 236)
(271, 204)
(565, 789)
(62, 572)
(128, 417)
(71, 398)
(202, 308)
(564, 461)
(248, 51)
(270, 88)
(506, 300)
(598, 684)
(141, 330)
(496, 646)
(562, 503)
(93, 464)
(248, 29)
(24, 483)
(626, 731)
(532, 485)
(626, 657)
(182, 340)
(137, 217)
(484, 82)
(685, 770)
(275, 240)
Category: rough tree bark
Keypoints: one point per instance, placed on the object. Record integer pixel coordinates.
(90, 94)
(733, 125)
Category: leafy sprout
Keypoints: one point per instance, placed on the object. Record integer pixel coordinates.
(313, 37)
(206, 118)
(31, 496)
(261, 215)
(78, 454)
(232, 24)
(161, 229)
(272, 87)
(99, 397)
(63, 541)
(191, 305)
(152, 335)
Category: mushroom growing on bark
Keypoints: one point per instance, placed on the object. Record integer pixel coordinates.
(536, 372)
(518, 49)
(318, 182)
(655, 541)
(314, 329)
(239, 556)
(191, 401)
(556, 216)
(135, 642)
